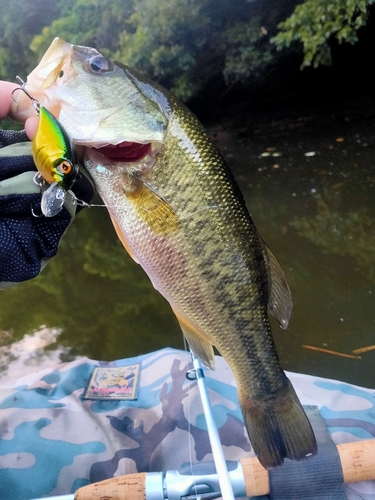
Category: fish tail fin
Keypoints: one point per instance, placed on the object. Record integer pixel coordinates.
(278, 431)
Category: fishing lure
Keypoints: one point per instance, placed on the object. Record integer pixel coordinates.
(55, 158)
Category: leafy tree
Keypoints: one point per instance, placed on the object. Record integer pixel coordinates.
(189, 44)
(248, 52)
(95, 23)
(315, 22)
(183, 44)
(163, 40)
(186, 45)
(20, 20)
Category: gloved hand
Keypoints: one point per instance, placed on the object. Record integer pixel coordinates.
(28, 242)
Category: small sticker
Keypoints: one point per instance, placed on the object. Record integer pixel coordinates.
(114, 383)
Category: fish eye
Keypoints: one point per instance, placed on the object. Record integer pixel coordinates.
(65, 167)
(98, 65)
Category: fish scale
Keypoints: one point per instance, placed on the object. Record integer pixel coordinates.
(180, 214)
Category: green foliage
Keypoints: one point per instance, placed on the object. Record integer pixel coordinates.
(315, 22)
(186, 45)
(20, 20)
(95, 23)
(247, 51)
(182, 44)
(163, 40)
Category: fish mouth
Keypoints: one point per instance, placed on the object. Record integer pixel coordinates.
(125, 151)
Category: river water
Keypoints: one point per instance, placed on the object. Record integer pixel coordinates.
(309, 185)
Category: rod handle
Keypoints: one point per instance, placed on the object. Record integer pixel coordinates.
(357, 462)
(128, 487)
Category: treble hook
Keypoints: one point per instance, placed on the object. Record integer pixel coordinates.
(35, 214)
(35, 102)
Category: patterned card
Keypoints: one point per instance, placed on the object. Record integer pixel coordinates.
(114, 383)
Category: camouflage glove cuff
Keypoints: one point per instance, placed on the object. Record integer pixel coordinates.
(28, 242)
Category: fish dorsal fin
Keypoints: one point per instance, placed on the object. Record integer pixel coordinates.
(152, 207)
(198, 342)
(280, 298)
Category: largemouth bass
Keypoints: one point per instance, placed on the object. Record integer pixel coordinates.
(181, 216)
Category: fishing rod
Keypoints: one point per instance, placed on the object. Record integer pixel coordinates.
(225, 482)
(201, 482)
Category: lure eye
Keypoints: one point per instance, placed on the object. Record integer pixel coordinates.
(65, 167)
(98, 65)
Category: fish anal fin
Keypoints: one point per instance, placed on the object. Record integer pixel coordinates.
(122, 239)
(280, 302)
(278, 431)
(198, 342)
(153, 209)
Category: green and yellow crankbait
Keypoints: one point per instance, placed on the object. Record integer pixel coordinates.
(56, 160)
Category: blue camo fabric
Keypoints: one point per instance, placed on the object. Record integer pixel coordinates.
(54, 441)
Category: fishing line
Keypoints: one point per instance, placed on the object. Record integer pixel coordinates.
(213, 434)
(82, 203)
(187, 349)
(190, 442)
(75, 201)
(39, 181)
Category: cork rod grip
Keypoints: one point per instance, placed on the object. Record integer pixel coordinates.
(357, 462)
(129, 487)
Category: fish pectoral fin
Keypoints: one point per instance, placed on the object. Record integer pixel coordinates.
(153, 208)
(198, 343)
(280, 302)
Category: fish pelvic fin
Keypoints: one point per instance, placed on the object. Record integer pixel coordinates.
(198, 342)
(278, 431)
(280, 302)
(153, 208)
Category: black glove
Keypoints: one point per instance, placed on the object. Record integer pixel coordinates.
(28, 242)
